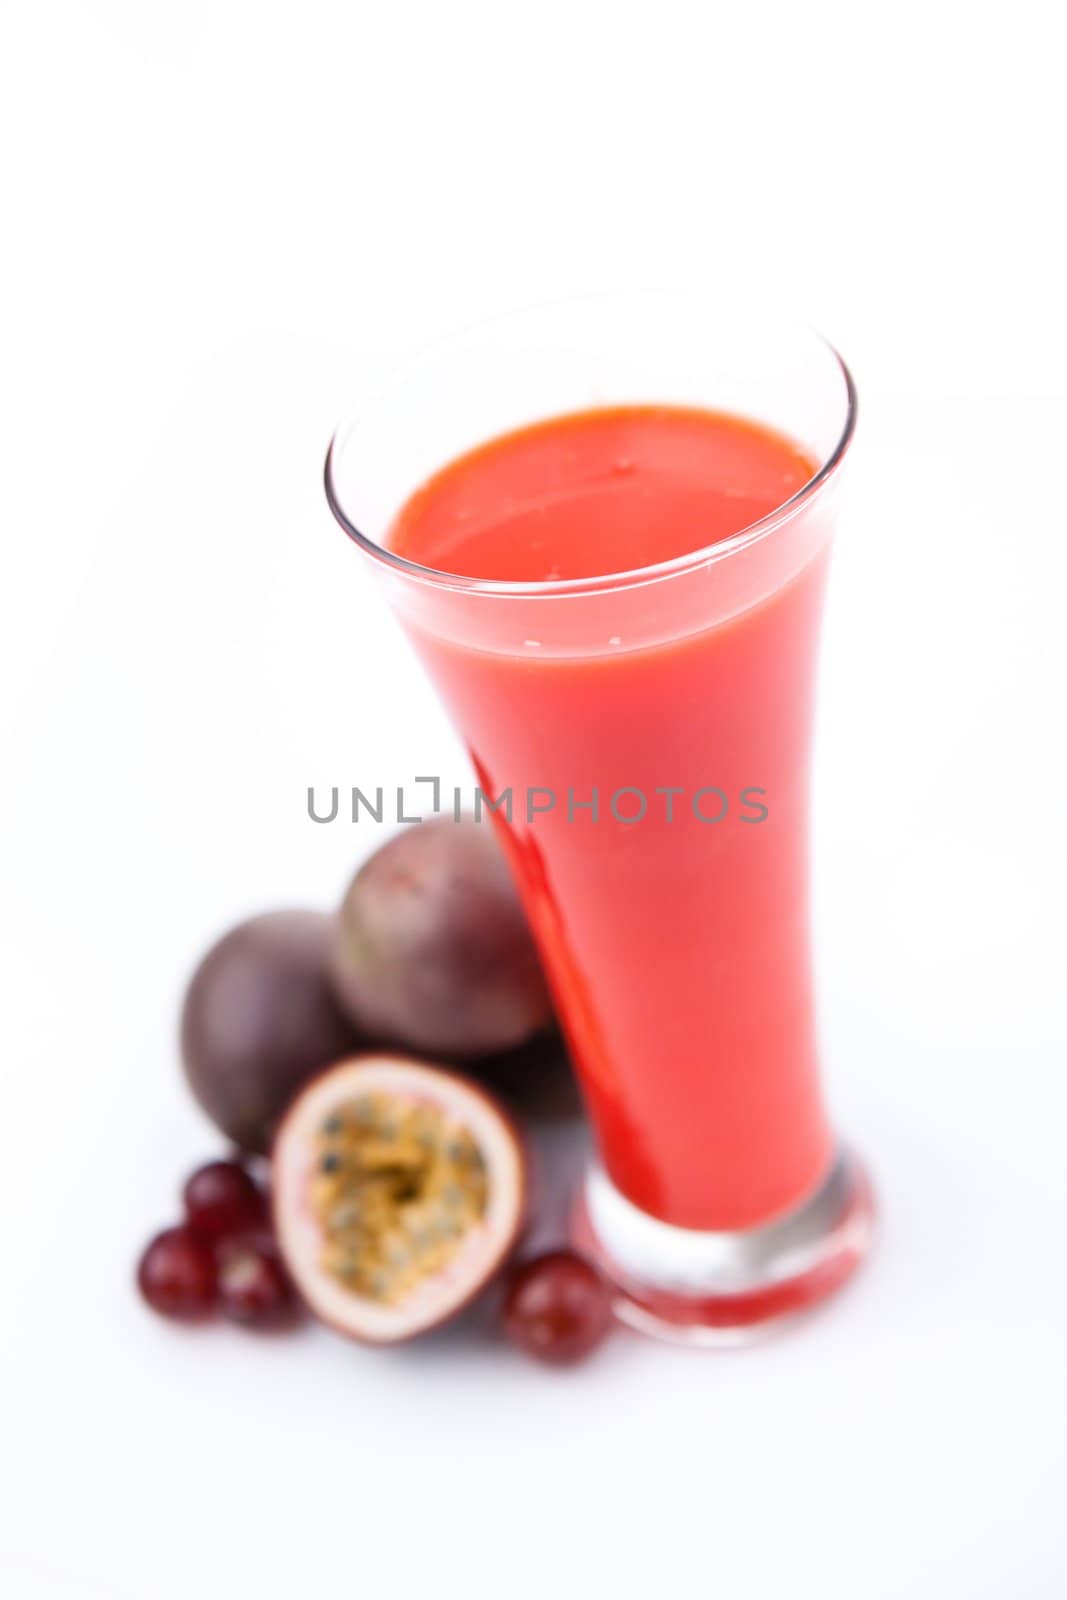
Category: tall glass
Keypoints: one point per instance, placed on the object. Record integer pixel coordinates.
(643, 738)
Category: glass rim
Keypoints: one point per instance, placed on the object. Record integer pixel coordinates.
(603, 582)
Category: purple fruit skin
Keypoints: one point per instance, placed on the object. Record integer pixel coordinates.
(260, 1019)
(432, 948)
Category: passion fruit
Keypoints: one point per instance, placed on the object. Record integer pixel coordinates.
(399, 1191)
(432, 949)
(259, 1020)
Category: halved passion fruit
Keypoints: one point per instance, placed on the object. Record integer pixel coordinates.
(398, 1191)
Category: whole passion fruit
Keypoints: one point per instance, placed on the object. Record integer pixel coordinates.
(399, 1191)
(260, 1019)
(432, 948)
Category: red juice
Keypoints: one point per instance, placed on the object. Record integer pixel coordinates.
(673, 923)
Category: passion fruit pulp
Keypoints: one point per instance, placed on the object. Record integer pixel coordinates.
(399, 1191)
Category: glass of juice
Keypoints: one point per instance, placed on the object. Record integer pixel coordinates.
(606, 525)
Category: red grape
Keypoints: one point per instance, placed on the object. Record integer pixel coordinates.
(557, 1307)
(176, 1275)
(222, 1199)
(253, 1285)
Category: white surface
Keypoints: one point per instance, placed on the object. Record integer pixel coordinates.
(221, 222)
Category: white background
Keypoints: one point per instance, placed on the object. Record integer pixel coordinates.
(221, 222)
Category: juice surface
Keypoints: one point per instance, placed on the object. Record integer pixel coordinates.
(677, 944)
(598, 492)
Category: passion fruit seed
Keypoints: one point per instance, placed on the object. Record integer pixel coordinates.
(399, 1184)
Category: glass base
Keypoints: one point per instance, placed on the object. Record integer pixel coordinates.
(722, 1289)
